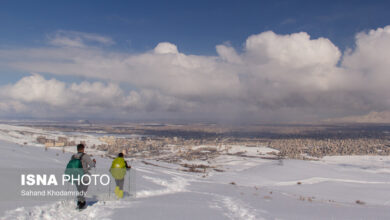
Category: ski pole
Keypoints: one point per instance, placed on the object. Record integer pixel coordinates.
(109, 189)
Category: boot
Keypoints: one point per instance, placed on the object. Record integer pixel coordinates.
(81, 205)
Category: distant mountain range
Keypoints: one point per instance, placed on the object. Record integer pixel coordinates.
(372, 117)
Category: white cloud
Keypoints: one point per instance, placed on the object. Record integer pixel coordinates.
(166, 47)
(228, 54)
(368, 62)
(36, 89)
(282, 77)
(85, 98)
(77, 39)
(295, 50)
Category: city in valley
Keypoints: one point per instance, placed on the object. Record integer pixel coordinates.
(190, 145)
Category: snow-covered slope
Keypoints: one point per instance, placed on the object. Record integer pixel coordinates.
(249, 188)
(28, 135)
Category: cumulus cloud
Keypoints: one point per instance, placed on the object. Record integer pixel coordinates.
(166, 47)
(275, 77)
(295, 50)
(36, 89)
(228, 54)
(84, 98)
(368, 62)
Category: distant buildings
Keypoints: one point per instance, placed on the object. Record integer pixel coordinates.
(173, 148)
(50, 143)
(60, 142)
(298, 148)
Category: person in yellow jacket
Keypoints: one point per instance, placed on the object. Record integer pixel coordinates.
(118, 171)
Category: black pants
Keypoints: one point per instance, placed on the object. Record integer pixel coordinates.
(82, 189)
(120, 183)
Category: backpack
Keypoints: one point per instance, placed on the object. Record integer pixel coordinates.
(118, 168)
(74, 169)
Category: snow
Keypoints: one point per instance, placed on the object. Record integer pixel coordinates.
(28, 136)
(249, 151)
(248, 188)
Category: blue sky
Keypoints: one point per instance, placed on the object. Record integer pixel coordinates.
(195, 26)
(100, 35)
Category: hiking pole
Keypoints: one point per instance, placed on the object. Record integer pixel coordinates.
(129, 183)
(133, 183)
(98, 190)
(67, 190)
(109, 190)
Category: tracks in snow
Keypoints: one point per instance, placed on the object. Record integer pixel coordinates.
(170, 181)
(66, 210)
